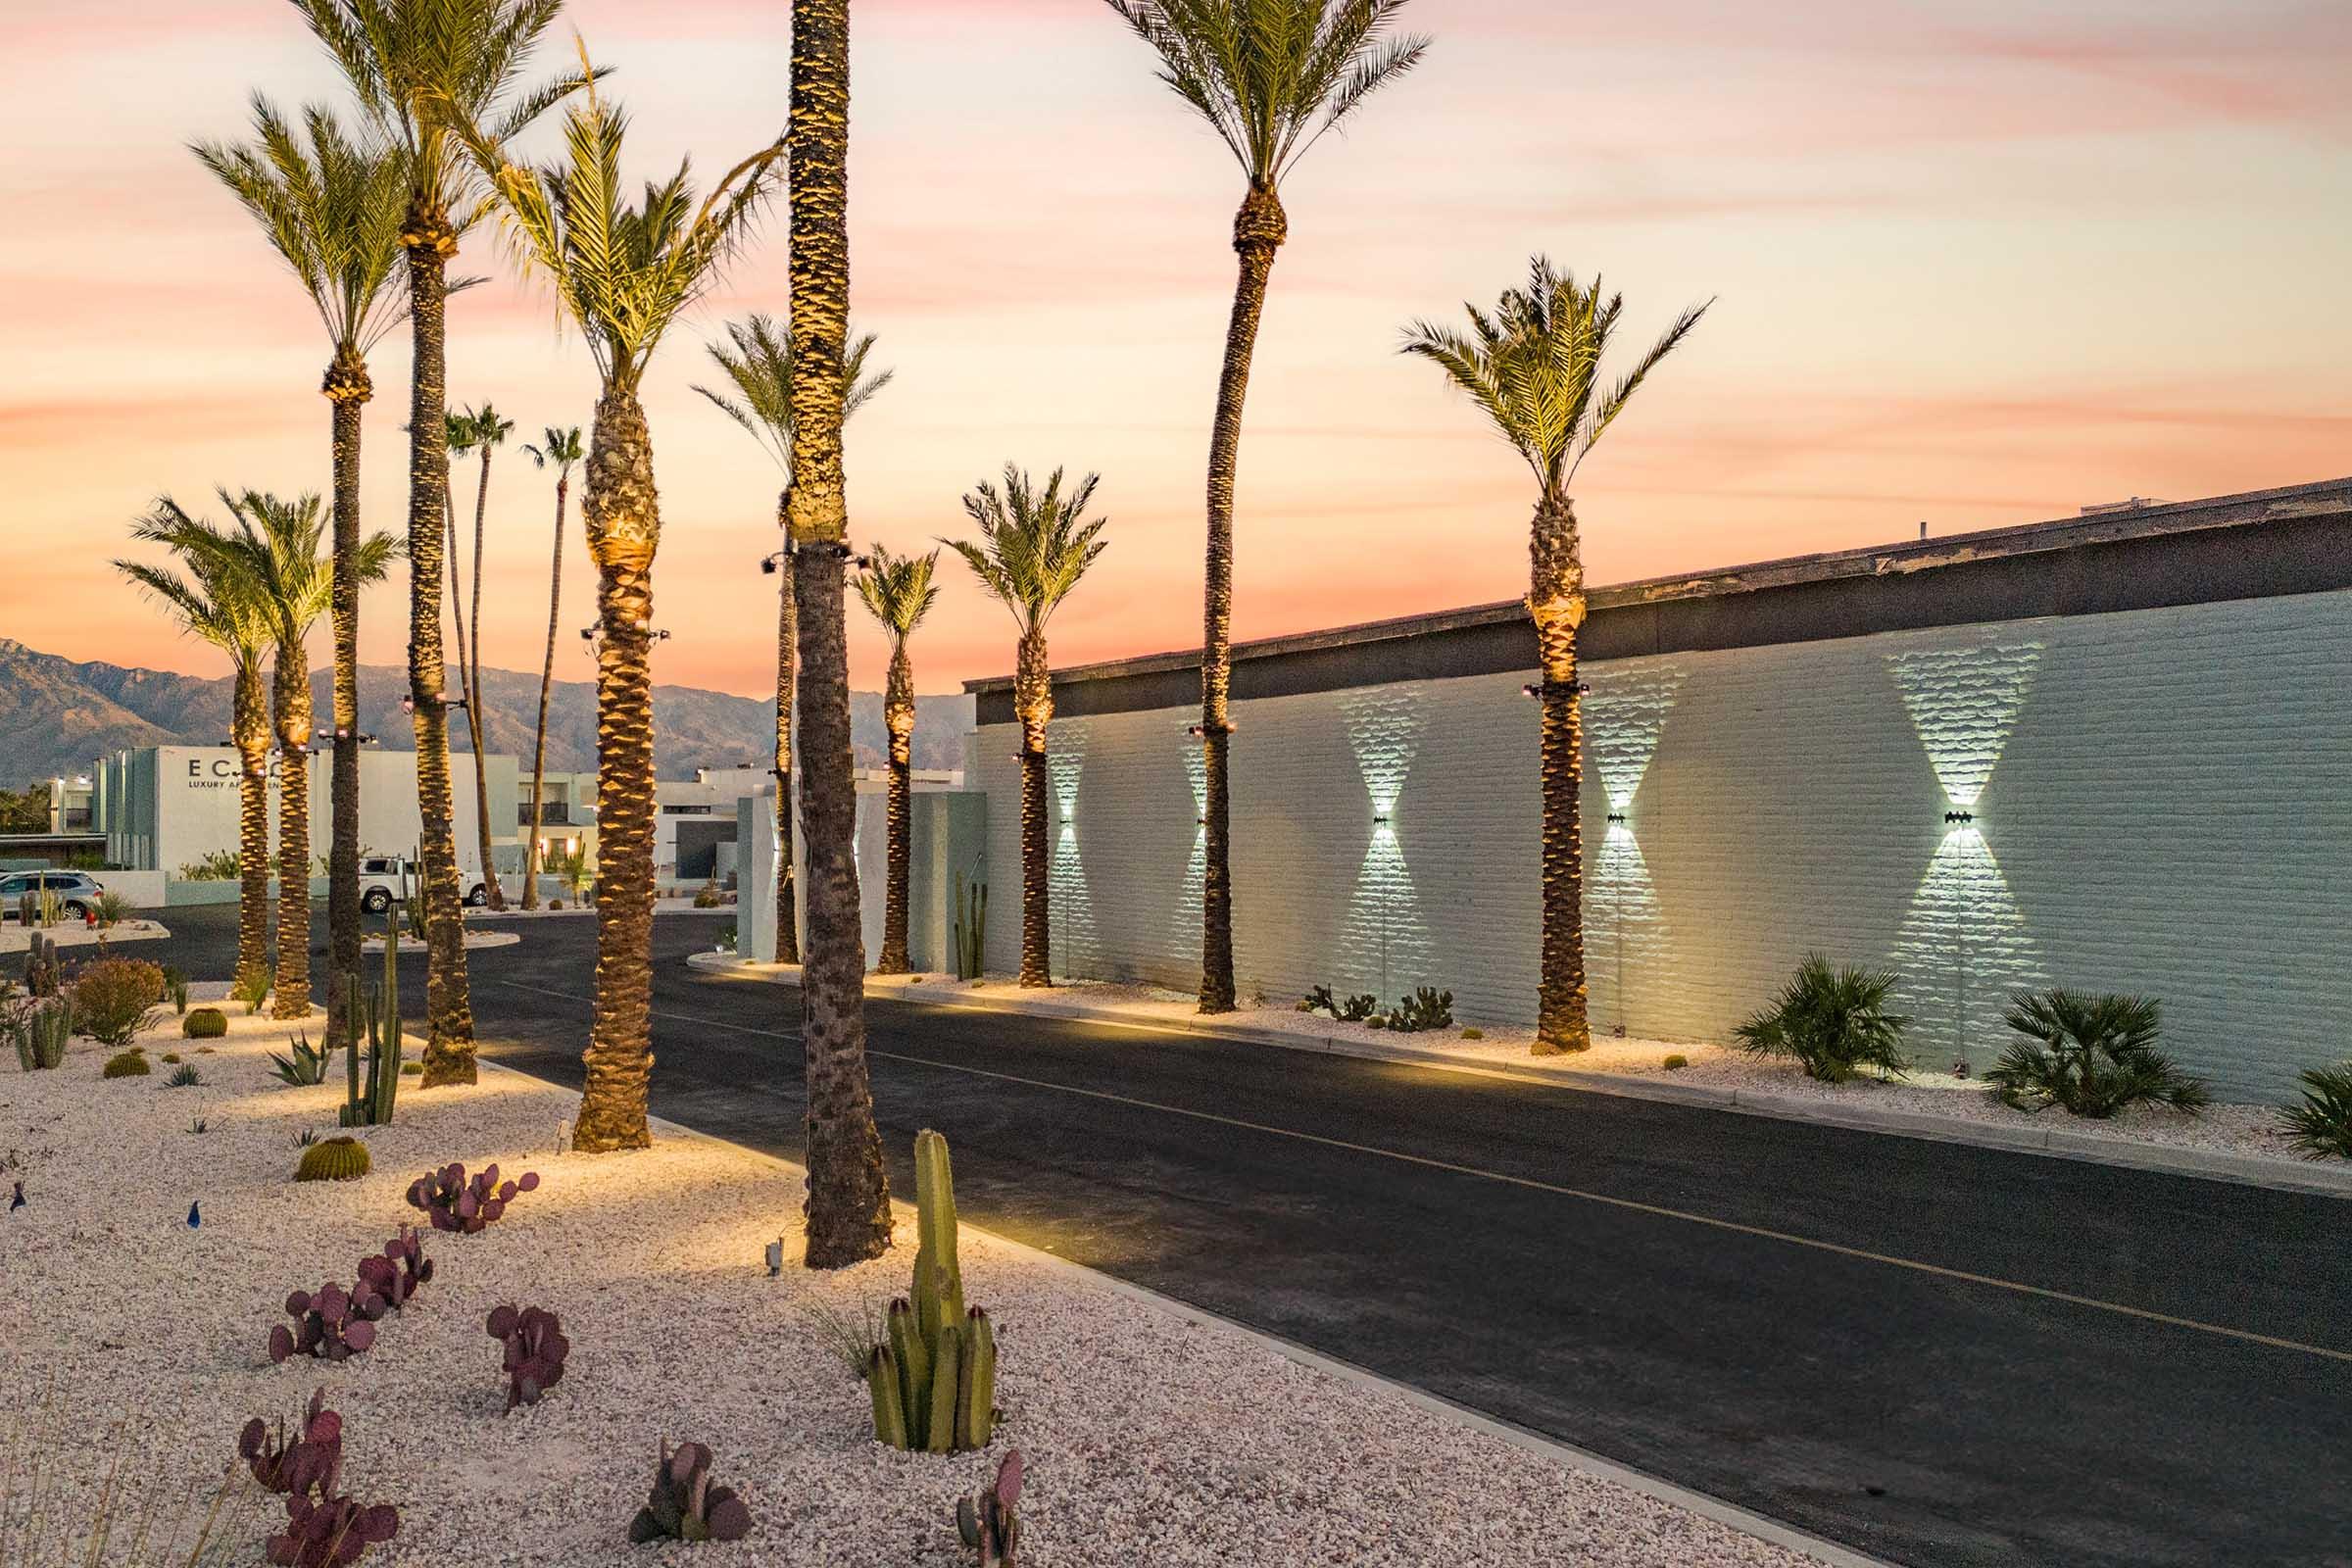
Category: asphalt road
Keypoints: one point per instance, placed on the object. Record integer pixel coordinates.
(1934, 1353)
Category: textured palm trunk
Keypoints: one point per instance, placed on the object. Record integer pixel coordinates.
(898, 713)
(546, 686)
(788, 904)
(1557, 600)
(348, 390)
(249, 730)
(1033, 702)
(473, 696)
(849, 1215)
(1259, 230)
(448, 998)
(291, 994)
(624, 514)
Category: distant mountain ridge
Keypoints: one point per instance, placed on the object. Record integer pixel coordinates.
(58, 716)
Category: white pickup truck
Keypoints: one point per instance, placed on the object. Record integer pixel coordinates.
(386, 880)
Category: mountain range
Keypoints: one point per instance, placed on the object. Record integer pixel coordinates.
(59, 716)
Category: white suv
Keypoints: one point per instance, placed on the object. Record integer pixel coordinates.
(385, 880)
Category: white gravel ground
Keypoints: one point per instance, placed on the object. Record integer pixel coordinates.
(1151, 1439)
(474, 939)
(14, 938)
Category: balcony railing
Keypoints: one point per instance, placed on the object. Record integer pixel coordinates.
(555, 814)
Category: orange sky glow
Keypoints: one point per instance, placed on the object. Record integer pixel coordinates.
(1977, 262)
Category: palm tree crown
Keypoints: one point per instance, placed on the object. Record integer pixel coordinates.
(331, 207)
(622, 271)
(1271, 76)
(899, 590)
(275, 547)
(559, 445)
(1533, 367)
(1032, 548)
(759, 365)
(213, 600)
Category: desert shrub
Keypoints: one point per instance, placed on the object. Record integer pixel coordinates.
(221, 866)
(1834, 1022)
(171, 1057)
(705, 897)
(2322, 1125)
(111, 908)
(2091, 1055)
(1426, 1009)
(411, 1069)
(1676, 1062)
(1474, 1033)
(204, 1023)
(1358, 1009)
(1318, 1000)
(252, 989)
(132, 1064)
(113, 997)
(555, 904)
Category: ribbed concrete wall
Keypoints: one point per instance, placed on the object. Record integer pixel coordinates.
(2162, 803)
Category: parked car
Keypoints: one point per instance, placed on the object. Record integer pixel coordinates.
(386, 880)
(77, 891)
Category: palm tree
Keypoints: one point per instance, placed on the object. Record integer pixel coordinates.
(417, 67)
(898, 591)
(1031, 554)
(485, 432)
(622, 272)
(275, 546)
(331, 209)
(1534, 368)
(760, 364)
(213, 601)
(849, 1215)
(561, 447)
(1270, 76)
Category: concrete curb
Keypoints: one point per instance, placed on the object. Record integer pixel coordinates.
(2251, 1170)
(1728, 1515)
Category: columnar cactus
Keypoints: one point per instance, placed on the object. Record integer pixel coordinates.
(988, 1521)
(684, 1505)
(536, 1351)
(369, 1095)
(42, 975)
(395, 1273)
(934, 1382)
(307, 1464)
(458, 1204)
(41, 1032)
(334, 1325)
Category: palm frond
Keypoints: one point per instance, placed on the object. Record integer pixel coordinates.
(899, 590)
(1033, 549)
(758, 359)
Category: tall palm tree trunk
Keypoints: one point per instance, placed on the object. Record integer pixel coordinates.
(624, 519)
(1259, 230)
(473, 697)
(788, 904)
(1557, 600)
(249, 730)
(292, 999)
(1033, 700)
(348, 390)
(546, 686)
(448, 1000)
(849, 1215)
(898, 713)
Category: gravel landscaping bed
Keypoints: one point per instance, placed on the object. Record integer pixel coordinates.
(1149, 1438)
(15, 938)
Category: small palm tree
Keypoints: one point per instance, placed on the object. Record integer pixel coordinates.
(485, 430)
(1031, 552)
(559, 448)
(1271, 78)
(900, 592)
(215, 604)
(1533, 368)
(330, 204)
(622, 271)
(417, 68)
(759, 362)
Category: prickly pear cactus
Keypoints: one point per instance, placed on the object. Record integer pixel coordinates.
(684, 1505)
(536, 1351)
(988, 1521)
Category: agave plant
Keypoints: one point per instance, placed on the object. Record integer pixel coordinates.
(302, 1065)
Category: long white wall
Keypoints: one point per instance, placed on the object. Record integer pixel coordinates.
(2162, 803)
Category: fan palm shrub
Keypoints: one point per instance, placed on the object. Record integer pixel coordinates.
(330, 204)
(2321, 1127)
(900, 592)
(849, 1216)
(1271, 78)
(622, 271)
(559, 449)
(757, 359)
(2089, 1054)
(481, 430)
(1032, 551)
(1533, 368)
(1833, 1021)
(417, 68)
(214, 602)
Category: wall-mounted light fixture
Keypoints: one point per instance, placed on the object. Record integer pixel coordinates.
(1380, 819)
(1574, 688)
(1197, 731)
(769, 564)
(408, 705)
(1956, 818)
(1201, 821)
(1616, 817)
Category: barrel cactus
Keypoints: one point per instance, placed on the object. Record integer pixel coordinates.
(334, 1159)
(204, 1023)
(685, 1505)
(933, 1380)
(132, 1064)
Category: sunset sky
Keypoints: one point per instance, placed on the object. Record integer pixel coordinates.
(1977, 262)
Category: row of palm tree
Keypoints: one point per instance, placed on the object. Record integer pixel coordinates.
(482, 430)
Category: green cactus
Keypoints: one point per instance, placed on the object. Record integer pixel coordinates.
(132, 1064)
(972, 928)
(204, 1023)
(369, 1096)
(934, 1381)
(342, 1158)
(40, 1034)
(42, 975)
